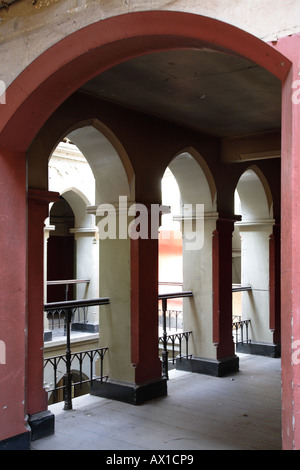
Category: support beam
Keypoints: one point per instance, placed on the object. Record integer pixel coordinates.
(13, 432)
(222, 286)
(37, 398)
(251, 147)
(290, 246)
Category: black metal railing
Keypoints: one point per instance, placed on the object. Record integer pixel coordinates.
(67, 283)
(240, 288)
(68, 308)
(165, 337)
(78, 362)
(241, 332)
(56, 318)
(240, 328)
(179, 345)
(174, 319)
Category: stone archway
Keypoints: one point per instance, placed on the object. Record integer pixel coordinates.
(197, 188)
(256, 231)
(61, 68)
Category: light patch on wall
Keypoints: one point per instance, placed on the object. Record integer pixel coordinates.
(2, 353)
(43, 3)
(2, 92)
(296, 93)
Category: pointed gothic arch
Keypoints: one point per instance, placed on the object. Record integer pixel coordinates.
(255, 194)
(256, 231)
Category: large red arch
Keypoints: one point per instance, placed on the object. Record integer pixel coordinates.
(71, 62)
(51, 78)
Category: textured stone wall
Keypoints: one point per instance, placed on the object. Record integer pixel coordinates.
(29, 27)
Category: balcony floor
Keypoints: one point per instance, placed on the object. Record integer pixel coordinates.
(241, 411)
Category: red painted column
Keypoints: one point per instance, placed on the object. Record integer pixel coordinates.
(38, 206)
(222, 286)
(274, 263)
(13, 295)
(290, 246)
(144, 308)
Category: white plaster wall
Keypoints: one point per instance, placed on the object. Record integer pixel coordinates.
(29, 27)
(197, 255)
(87, 267)
(69, 169)
(115, 318)
(71, 176)
(197, 277)
(255, 230)
(105, 163)
(255, 272)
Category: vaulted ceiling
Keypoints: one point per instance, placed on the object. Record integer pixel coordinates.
(212, 92)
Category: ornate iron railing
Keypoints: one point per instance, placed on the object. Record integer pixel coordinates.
(56, 318)
(174, 319)
(164, 338)
(179, 343)
(67, 283)
(241, 331)
(240, 327)
(68, 308)
(77, 361)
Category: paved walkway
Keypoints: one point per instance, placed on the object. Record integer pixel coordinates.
(238, 412)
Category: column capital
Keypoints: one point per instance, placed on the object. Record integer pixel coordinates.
(227, 217)
(84, 230)
(244, 224)
(121, 207)
(193, 216)
(42, 196)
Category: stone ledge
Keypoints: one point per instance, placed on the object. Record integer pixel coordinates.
(41, 424)
(259, 349)
(135, 394)
(213, 367)
(19, 442)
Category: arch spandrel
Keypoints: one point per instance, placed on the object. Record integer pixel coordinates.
(195, 181)
(255, 195)
(112, 178)
(78, 203)
(80, 56)
(102, 149)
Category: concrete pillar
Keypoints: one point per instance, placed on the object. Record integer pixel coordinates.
(274, 264)
(144, 310)
(255, 272)
(290, 245)
(40, 420)
(207, 273)
(13, 430)
(129, 324)
(47, 331)
(222, 292)
(197, 277)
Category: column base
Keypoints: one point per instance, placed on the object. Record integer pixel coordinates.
(259, 349)
(134, 394)
(47, 335)
(41, 425)
(19, 442)
(86, 327)
(214, 367)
